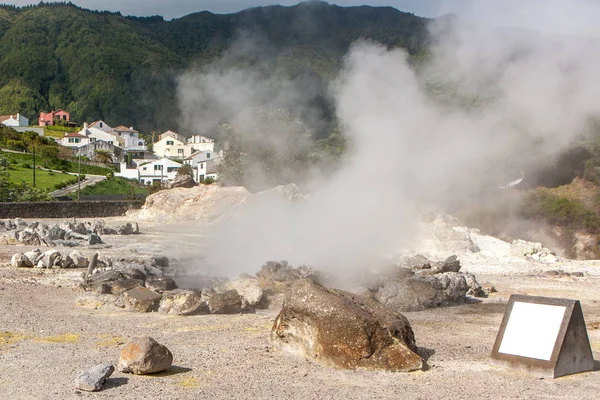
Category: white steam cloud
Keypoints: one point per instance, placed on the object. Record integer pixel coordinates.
(529, 95)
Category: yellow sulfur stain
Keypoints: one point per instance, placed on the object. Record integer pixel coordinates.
(110, 341)
(188, 382)
(8, 338)
(206, 328)
(64, 338)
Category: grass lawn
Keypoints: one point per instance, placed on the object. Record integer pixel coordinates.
(43, 179)
(116, 185)
(70, 166)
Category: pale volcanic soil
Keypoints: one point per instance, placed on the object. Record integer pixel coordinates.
(46, 340)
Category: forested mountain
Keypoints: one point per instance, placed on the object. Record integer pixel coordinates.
(102, 65)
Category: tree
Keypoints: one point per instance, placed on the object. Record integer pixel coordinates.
(185, 170)
(103, 156)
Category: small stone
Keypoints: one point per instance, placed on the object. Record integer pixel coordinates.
(126, 229)
(94, 239)
(144, 356)
(141, 299)
(49, 257)
(93, 379)
(488, 288)
(79, 260)
(182, 302)
(20, 260)
(160, 284)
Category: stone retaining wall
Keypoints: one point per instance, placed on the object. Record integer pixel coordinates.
(68, 209)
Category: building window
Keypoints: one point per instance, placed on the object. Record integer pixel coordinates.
(201, 165)
(158, 167)
(170, 143)
(179, 151)
(145, 168)
(140, 143)
(100, 124)
(207, 155)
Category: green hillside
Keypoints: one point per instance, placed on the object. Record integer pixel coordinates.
(101, 65)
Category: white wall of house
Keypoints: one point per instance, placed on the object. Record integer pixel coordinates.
(16, 120)
(171, 147)
(201, 143)
(164, 169)
(75, 141)
(100, 125)
(97, 134)
(129, 173)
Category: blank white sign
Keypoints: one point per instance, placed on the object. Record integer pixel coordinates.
(532, 330)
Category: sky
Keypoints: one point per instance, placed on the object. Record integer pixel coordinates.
(547, 16)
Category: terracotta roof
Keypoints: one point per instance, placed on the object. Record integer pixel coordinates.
(122, 128)
(5, 117)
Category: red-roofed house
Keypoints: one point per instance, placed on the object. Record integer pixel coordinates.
(49, 118)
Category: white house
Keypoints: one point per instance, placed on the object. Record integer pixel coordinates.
(14, 120)
(201, 143)
(103, 126)
(94, 132)
(131, 138)
(172, 145)
(155, 171)
(200, 156)
(74, 140)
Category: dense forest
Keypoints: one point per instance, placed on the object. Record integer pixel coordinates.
(102, 65)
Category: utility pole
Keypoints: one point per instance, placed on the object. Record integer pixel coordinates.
(33, 164)
(79, 176)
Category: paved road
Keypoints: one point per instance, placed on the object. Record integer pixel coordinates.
(89, 180)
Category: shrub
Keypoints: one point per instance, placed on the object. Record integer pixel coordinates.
(209, 181)
(26, 165)
(559, 211)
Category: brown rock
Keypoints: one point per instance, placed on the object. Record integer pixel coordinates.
(144, 356)
(160, 284)
(344, 330)
(227, 302)
(182, 302)
(141, 299)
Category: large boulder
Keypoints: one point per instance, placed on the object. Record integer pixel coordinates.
(420, 292)
(227, 302)
(141, 299)
(278, 276)
(160, 284)
(144, 356)
(344, 330)
(250, 290)
(182, 181)
(77, 260)
(182, 302)
(29, 237)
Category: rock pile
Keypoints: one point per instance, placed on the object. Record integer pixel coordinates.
(49, 259)
(142, 288)
(534, 251)
(420, 283)
(66, 234)
(278, 276)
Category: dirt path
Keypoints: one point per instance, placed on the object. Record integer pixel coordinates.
(45, 341)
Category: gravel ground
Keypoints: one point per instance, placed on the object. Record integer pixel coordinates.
(45, 341)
